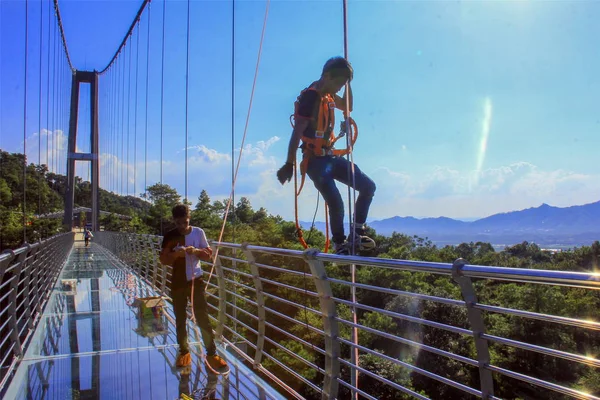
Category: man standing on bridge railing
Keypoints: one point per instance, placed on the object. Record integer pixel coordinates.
(183, 248)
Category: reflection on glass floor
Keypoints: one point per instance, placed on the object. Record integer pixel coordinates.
(90, 345)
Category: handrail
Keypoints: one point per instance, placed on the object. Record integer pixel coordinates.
(281, 336)
(588, 280)
(27, 276)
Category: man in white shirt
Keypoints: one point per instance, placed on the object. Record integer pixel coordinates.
(183, 248)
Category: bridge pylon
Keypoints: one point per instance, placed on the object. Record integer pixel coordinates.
(93, 156)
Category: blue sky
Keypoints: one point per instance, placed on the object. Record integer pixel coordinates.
(465, 109)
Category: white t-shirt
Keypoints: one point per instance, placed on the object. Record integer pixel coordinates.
(196, 238)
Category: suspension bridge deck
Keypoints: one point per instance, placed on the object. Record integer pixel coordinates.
(90, 344)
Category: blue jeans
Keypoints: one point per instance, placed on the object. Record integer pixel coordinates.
(324, 171)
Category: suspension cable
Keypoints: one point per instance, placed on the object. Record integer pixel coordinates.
(233, 114)
(243, 140)
(117, 119)
(115, 135)
(162, 91)
(124, 41)
(162, 84)
(25, 131)
(114, 72)
(62, 34)
(53, 153)
(39, 211)
(146, 128)
(111, 116)
(187, 86)
(48, 97)
(55, 101)
(60, 110)
(54, 104)
(137, 70)
(351, 206)
(122, 126)
(128, 113)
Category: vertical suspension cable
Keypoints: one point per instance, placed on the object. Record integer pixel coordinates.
(110, 132)
(54, 90)
(162, 82)
(351, 217)
(115, 125)
(187, 69)
(39, 211)
(64, 115)
(48, 97)
(233, 148)
(117, 129)
(59, 117)
(113, 106)
(108, 123)
(55, 102)
(137, 70)
(146, 127)
(52, 153)
(25, 130)
(122, 124)
(117, 67)
(233, 114)
(128, 113)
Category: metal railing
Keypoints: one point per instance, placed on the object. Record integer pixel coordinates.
(288, 314)
(27, 276)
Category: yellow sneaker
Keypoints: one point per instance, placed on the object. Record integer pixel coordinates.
(183, 360)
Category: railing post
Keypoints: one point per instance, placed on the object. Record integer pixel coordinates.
(12, 306)
(158, 266)
(477, 326)
(222, 297)
(25, 268)
(330, 325)
(6, 262)
(36, 276)
(260, 301)
(148, 250)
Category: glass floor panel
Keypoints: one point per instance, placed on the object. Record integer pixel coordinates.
(89, 344)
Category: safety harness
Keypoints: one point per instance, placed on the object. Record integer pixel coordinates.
(319, 146)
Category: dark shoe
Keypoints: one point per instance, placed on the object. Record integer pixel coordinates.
(361, 243)
(341, 249)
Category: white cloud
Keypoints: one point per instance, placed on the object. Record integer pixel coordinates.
(49, 148)
(448, 192)
(440, 191)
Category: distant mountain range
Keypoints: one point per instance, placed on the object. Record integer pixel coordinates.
(545, 225)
